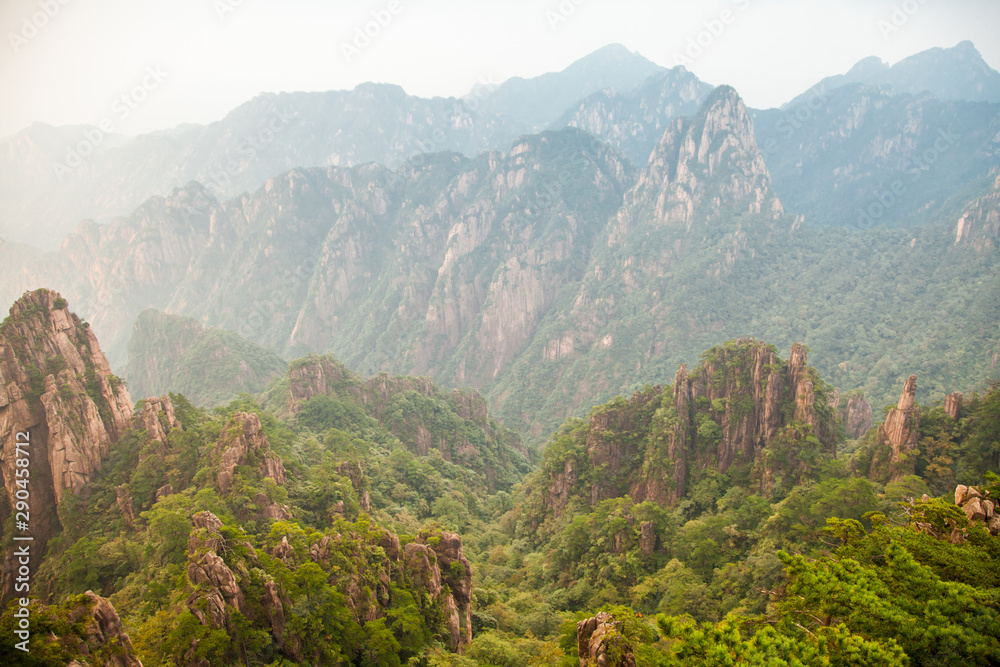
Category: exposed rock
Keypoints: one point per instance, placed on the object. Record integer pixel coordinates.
(126, 506)
(647, 540)
(242, 440)
(978, 507)
(157, 418)
(221, 591)
(953, 404)
(598, 638)
(858, 417)
(164, 491)
(206, 532)
(897, 436)
(284, 551)
(744, 390)
(57, 389)
(103, 629)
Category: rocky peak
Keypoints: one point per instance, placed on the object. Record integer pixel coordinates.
(856, 416)
(741, 405)
(243, 442)
(156, 416)
(103, 629)
(601, 644)
(953, 405)
(710, 158)
(57, 389)
(979, 225)
(899, 432)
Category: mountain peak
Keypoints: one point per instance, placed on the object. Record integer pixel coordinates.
(955, 73)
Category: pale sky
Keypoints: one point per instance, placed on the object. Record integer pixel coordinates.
(71, 61)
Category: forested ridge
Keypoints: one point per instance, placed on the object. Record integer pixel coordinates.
(725, 518)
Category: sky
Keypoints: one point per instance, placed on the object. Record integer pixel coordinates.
(68, 62)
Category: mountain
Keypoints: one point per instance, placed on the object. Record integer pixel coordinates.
(861, 156)
(633, 121)
(388, 521)
(60, 409)
(209, 366)
(534, 104)
(554, 274)
(55, 177)
(958, 73)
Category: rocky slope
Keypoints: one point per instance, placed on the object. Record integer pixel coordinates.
(59, 398)
(40, 201)
(742, 411)
(554, 267)
(863, 156)
(633, 121)
(423, 416)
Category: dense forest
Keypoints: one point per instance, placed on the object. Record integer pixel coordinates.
(726, 518)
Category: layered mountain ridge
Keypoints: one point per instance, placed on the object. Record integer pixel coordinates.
(554, 266)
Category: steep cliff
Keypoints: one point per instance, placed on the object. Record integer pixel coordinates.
(60, 408)
(897, 437)
(742, 411)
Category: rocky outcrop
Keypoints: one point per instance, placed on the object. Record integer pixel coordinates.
(243, 440)
(104, 634)
(979, 225)
(979, 507)
(207, 366)
(898, 434)
(59, 399)
(953, 405)
(742, 405)
(600, 643)
(856, 416)
(483, 445)
(157, 418)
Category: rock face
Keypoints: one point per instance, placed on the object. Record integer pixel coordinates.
(899, 432)
(953, 405)
(208, 366)
(56, 387)
(104, 633)
(242, 441)
(857, 416)
(433, 568)
(979, 225)
(741, 406)
(634, 121)
(979, 507)
(600, 643)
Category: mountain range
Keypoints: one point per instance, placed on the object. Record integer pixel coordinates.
(568, 267)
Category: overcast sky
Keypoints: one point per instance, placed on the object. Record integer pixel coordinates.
(70, 61)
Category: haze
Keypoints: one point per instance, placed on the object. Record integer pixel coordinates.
(215, 54)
